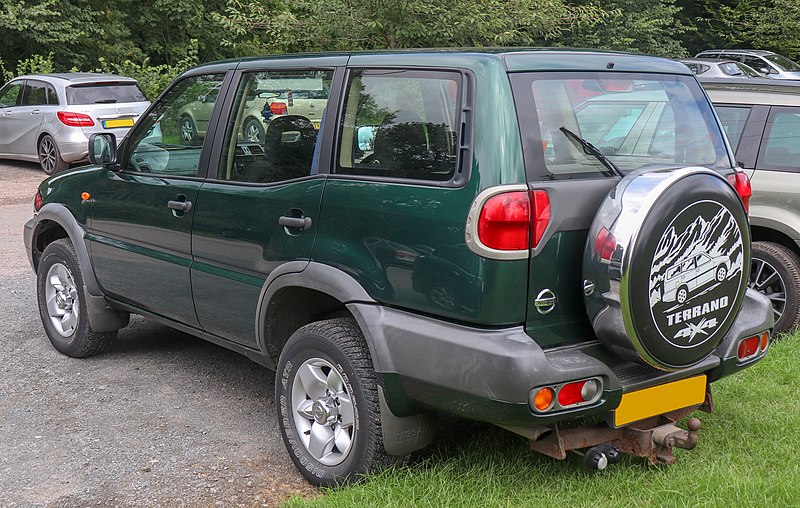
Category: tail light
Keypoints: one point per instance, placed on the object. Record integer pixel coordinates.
(512, 221)
(605, 244)
(566, 395)
(278, 108)
(541, 215)
(751, 347)
(75, 119)
(37, 201)
(741, 183)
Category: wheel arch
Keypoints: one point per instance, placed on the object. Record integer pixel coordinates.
(769, 234)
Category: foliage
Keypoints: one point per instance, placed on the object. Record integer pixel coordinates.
(773, 25)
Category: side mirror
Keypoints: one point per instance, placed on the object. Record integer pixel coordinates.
(102, 148)
(763, 70)
(366, 137)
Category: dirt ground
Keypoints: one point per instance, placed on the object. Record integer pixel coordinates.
(163, 419)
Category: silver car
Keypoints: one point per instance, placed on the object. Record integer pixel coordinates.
(769, 64)
(48, 118)
(719, 68)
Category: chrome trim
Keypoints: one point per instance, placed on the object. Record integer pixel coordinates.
(545, 301)
(471, 228)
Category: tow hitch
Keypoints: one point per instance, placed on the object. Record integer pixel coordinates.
(653, 438)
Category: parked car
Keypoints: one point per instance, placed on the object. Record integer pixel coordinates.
(769, 64)
(48, 118)
(719, 68)
(270, 97)
(762, 121)
(394, 262)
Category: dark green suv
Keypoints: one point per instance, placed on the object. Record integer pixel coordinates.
(518, 237)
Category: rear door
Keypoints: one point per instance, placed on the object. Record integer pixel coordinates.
(142, 216)
(259, 207)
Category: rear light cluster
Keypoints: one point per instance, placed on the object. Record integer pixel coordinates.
(37, 201)
(514, 221)
(604, 245)
(278, 108)
(75, 119)
(752, 347)
(552, 398)
(741, 183)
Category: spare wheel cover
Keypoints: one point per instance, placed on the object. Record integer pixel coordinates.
(665, 266)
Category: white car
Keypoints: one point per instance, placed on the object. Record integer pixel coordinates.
(697, 271)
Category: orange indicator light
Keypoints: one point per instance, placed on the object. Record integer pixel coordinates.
(543, 399)
(86, 196)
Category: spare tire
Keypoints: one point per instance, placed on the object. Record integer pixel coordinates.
(665, 266)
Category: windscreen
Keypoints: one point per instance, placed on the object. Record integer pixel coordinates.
(104, 93)
(634, 120)
(783, 63)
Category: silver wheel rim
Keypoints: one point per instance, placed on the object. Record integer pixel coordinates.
(47, 154)
(252, 133)
(721, 273)
(187, 130)
(766, 279)
(324, 415)
(61, 297)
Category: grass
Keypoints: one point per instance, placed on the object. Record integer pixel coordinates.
(748, 455)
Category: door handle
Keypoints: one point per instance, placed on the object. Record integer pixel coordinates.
(301, 223)
(35, 112)
(181, 206)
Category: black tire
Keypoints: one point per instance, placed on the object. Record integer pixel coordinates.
(187, 130)
(50, 156)
(253, 131)
(775, 270)
(339, 343)
(77, 340)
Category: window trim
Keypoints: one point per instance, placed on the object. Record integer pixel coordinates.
(464, 123)
(19, 95)
(768, 124)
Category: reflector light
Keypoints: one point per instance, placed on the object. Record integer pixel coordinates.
(543, 399)
(278, 108)
(541, 215)
(764, 341)
(505, 221)
(570, 394)
(748, 347)
(37, 201)
(741, 183)
(75, 119)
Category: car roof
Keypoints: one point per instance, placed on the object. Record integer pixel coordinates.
(753, 91)
(707, 61)
(757, 52)
(77, 77)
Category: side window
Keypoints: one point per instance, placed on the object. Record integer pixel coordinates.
(400, 124)
(169, 140)
(52, 96)
(755, 62)
(780, 148)
(733, 120)
(10, 94)
(273, 129)
(35, 94)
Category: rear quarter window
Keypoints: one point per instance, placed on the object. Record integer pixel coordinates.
(104, 93)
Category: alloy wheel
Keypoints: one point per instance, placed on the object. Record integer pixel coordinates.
(766, 279)
(62, 299)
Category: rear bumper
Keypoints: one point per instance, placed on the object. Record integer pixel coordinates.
(73, 144)
(487, 375)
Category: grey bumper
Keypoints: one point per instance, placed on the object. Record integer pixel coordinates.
(27, 235)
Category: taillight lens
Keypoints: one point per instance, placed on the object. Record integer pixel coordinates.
(565, 396)
(37, 201)
(741, 183)
(75, 119)
(278, 108)
(748, 348)
(505, 221)
(541, 215)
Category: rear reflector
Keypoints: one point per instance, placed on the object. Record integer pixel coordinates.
(37, 201)
(567, 395)
(75, 119)
(505, 221)
(741, 183)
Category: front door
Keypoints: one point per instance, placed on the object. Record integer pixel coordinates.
(142, 215)
(259, 207)
(10, 96)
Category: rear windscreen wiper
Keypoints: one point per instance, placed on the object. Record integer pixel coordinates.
(593, 150)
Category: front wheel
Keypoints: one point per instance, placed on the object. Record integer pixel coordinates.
(775, 272)
(328, 408)
(62, 306)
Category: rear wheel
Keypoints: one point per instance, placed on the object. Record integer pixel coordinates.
(50, 156)
(775, 272)
(188, 131)
(253, 131)
(328, 408)
(62, 306)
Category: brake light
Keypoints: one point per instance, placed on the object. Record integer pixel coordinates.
(565, 396)
(741, 183)
(748, 348)
(75, 119)
(37, 201)
(278, 108)
(505, 221)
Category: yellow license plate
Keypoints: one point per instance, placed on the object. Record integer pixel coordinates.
(122, 122)
(660, 399)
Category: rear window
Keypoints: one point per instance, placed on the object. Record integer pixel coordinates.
(634, 120)
(104, 93)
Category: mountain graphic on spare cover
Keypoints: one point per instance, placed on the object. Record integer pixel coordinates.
(718, 237)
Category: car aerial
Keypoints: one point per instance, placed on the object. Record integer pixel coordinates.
(769, 64)
(269, 97)
(709, 68)
(48, 118)
(394, 262)
(762, 121)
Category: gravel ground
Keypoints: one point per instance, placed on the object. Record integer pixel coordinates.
(163, 419)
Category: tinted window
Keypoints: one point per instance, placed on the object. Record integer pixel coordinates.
(642, 120)
(399, 124)
(34, 94)
(9, 94)
(168, 141)
(272, 133)
(780, 148)
(733, 120)
(755, 62)
(731, 69)
(52, 96)
(104, 93)
(783, 63)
